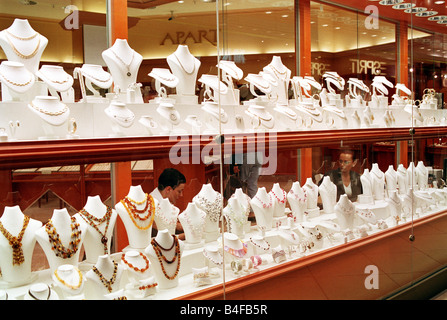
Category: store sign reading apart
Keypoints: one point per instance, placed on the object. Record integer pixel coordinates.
(182, 37)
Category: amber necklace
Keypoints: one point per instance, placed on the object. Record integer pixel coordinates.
(59, 249)
(146, 261)
(107, 283)
(90, 219)
(131, 207)
(16, 242)
(65, 283)
(162, 259)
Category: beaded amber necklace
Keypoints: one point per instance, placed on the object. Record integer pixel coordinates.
(16, 242)
(131, 207)
(71, 286)
(146, 260)
(107, 283)
(162, 259)
(90, 219)
(59, 249)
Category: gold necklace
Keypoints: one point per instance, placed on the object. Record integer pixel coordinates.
(20, 54)
(16, 83)
(107, 283)
(73, 287)
(127, 66)
(130, 206)
(49, 113)
(184, 69)
(90, 219)
(21, 38)
(16, 242)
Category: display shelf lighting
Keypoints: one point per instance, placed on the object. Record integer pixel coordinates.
(429, 13)
(440, 2)
(390, 2)
(403, 6)
(415, 10)
(437, 18)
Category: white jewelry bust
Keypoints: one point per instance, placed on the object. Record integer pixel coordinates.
(282, 74)
(192, 220)
(367, 189)
(214, 114)
(185, 67)
(236, 217)
(297, 199)
(244, 201)
(94, 288)
(62, 223)
(391, 178)
(139, 237)
(40, 291)
(261, 119)
(70, 281)
(15, 79)
(21, 43)
(279, 198)
(166, 215)
(378, 182)
(422, 175)
(345, 212)
(402, 182)
(170, 117)
(16, 275)
(311, 190)
(209, 201)
(412, 179)
(328, 193)
(57, 80)
(137, 267)
(165, 239)
(395, 205)
(120, 116)
(92, 243)
(262, 205)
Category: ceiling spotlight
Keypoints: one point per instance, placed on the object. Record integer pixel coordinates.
(390, 2)
(415, 10)
(437, 18)
(402, 6)
(426, 13)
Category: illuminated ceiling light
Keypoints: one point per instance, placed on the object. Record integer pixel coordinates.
(390, 2)
(325, 25)
(437, 18)
(337, 28)
(426, 13)
(181, 1)
(268, 12)
(415, 10)
(402, 6)
(442, 21)
(284, 16)
(439, 2)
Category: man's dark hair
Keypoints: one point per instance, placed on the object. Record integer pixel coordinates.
(170, 177)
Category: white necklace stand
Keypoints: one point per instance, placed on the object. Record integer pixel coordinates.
(399, 100)
(235, 215)
(229, 72)
(259, 82)
(52, 113)
(194, 123)
(163, 76)
(193, 223)
(328, 194)
(17, 275)
(287, 117)
(311, 190)
(244, 201)
(422, 176)
(279, 198)
(261, 119)
(70, 275)
(208, 200)
(185, 67)
(213, 257)
(395, 206)
(57, 81)
(412, 179)
(170, 117)
(281, 74)
(345, 212)
(379, 98)
(166, 215)
(40, 291)
(402, 181)
(138, 238)
(214, 113)
(90, 74)
(391, 179)
(378, 182)
(94, 288)
(355, 99)
(61, 221)
(17, 81)
(92, 243)
(214, 88)
(165, 239)
(297, 199)
(134, 258)
(120, 117)
(328, 96)
(233, 246)
(367, 196)
(149, 123)
(124, 63)
(262, 205)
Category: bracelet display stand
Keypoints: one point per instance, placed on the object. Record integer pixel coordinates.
(61, 239)
(166, 215)
(192, 220)
(124, 63)
(120, 117)
(354, 99)
(398, 100)
(137, 212)
(379, 97)
(194, 124)
(17, 81)
(185, 67)
(297, 200)
(229, 72)
(52, 112)
(328, 96)
(57, 81)
(90, 74)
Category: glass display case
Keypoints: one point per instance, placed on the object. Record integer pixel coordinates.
(214, 149)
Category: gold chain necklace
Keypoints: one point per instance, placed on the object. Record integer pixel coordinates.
(16, 242)
(184, 69)
(59, 249)
(127, 66)
(20, 54)
(73, 287)
(107, 283)
(130, 206)
(16, 83)
(49, 113)
(90, 219)
(21, 38)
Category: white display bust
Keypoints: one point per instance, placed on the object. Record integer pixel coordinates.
(391, 178)
(137, 266)
(63, 223)
(185, 67)
(378, 182)
(166, 215)
(69, 280)
(233, 247)
(111, 271)
(165, 240)
(123, 63)
(193, 222)
(412, 179)
(395, 206)
(236, 217)
(281, 74)
(51, 111)
(328, 193)
(345, 212)
(93, 244)
(311, 190)
(16, 274)
(138, 227)
(262, 205)
(40, 291)
(402, 182)
(297, 199)
(209, 201)
(15, 77)
(366, 181)
(422, 175)
(120, 117)
(279, 198)
(21, 43)
(56, 78)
